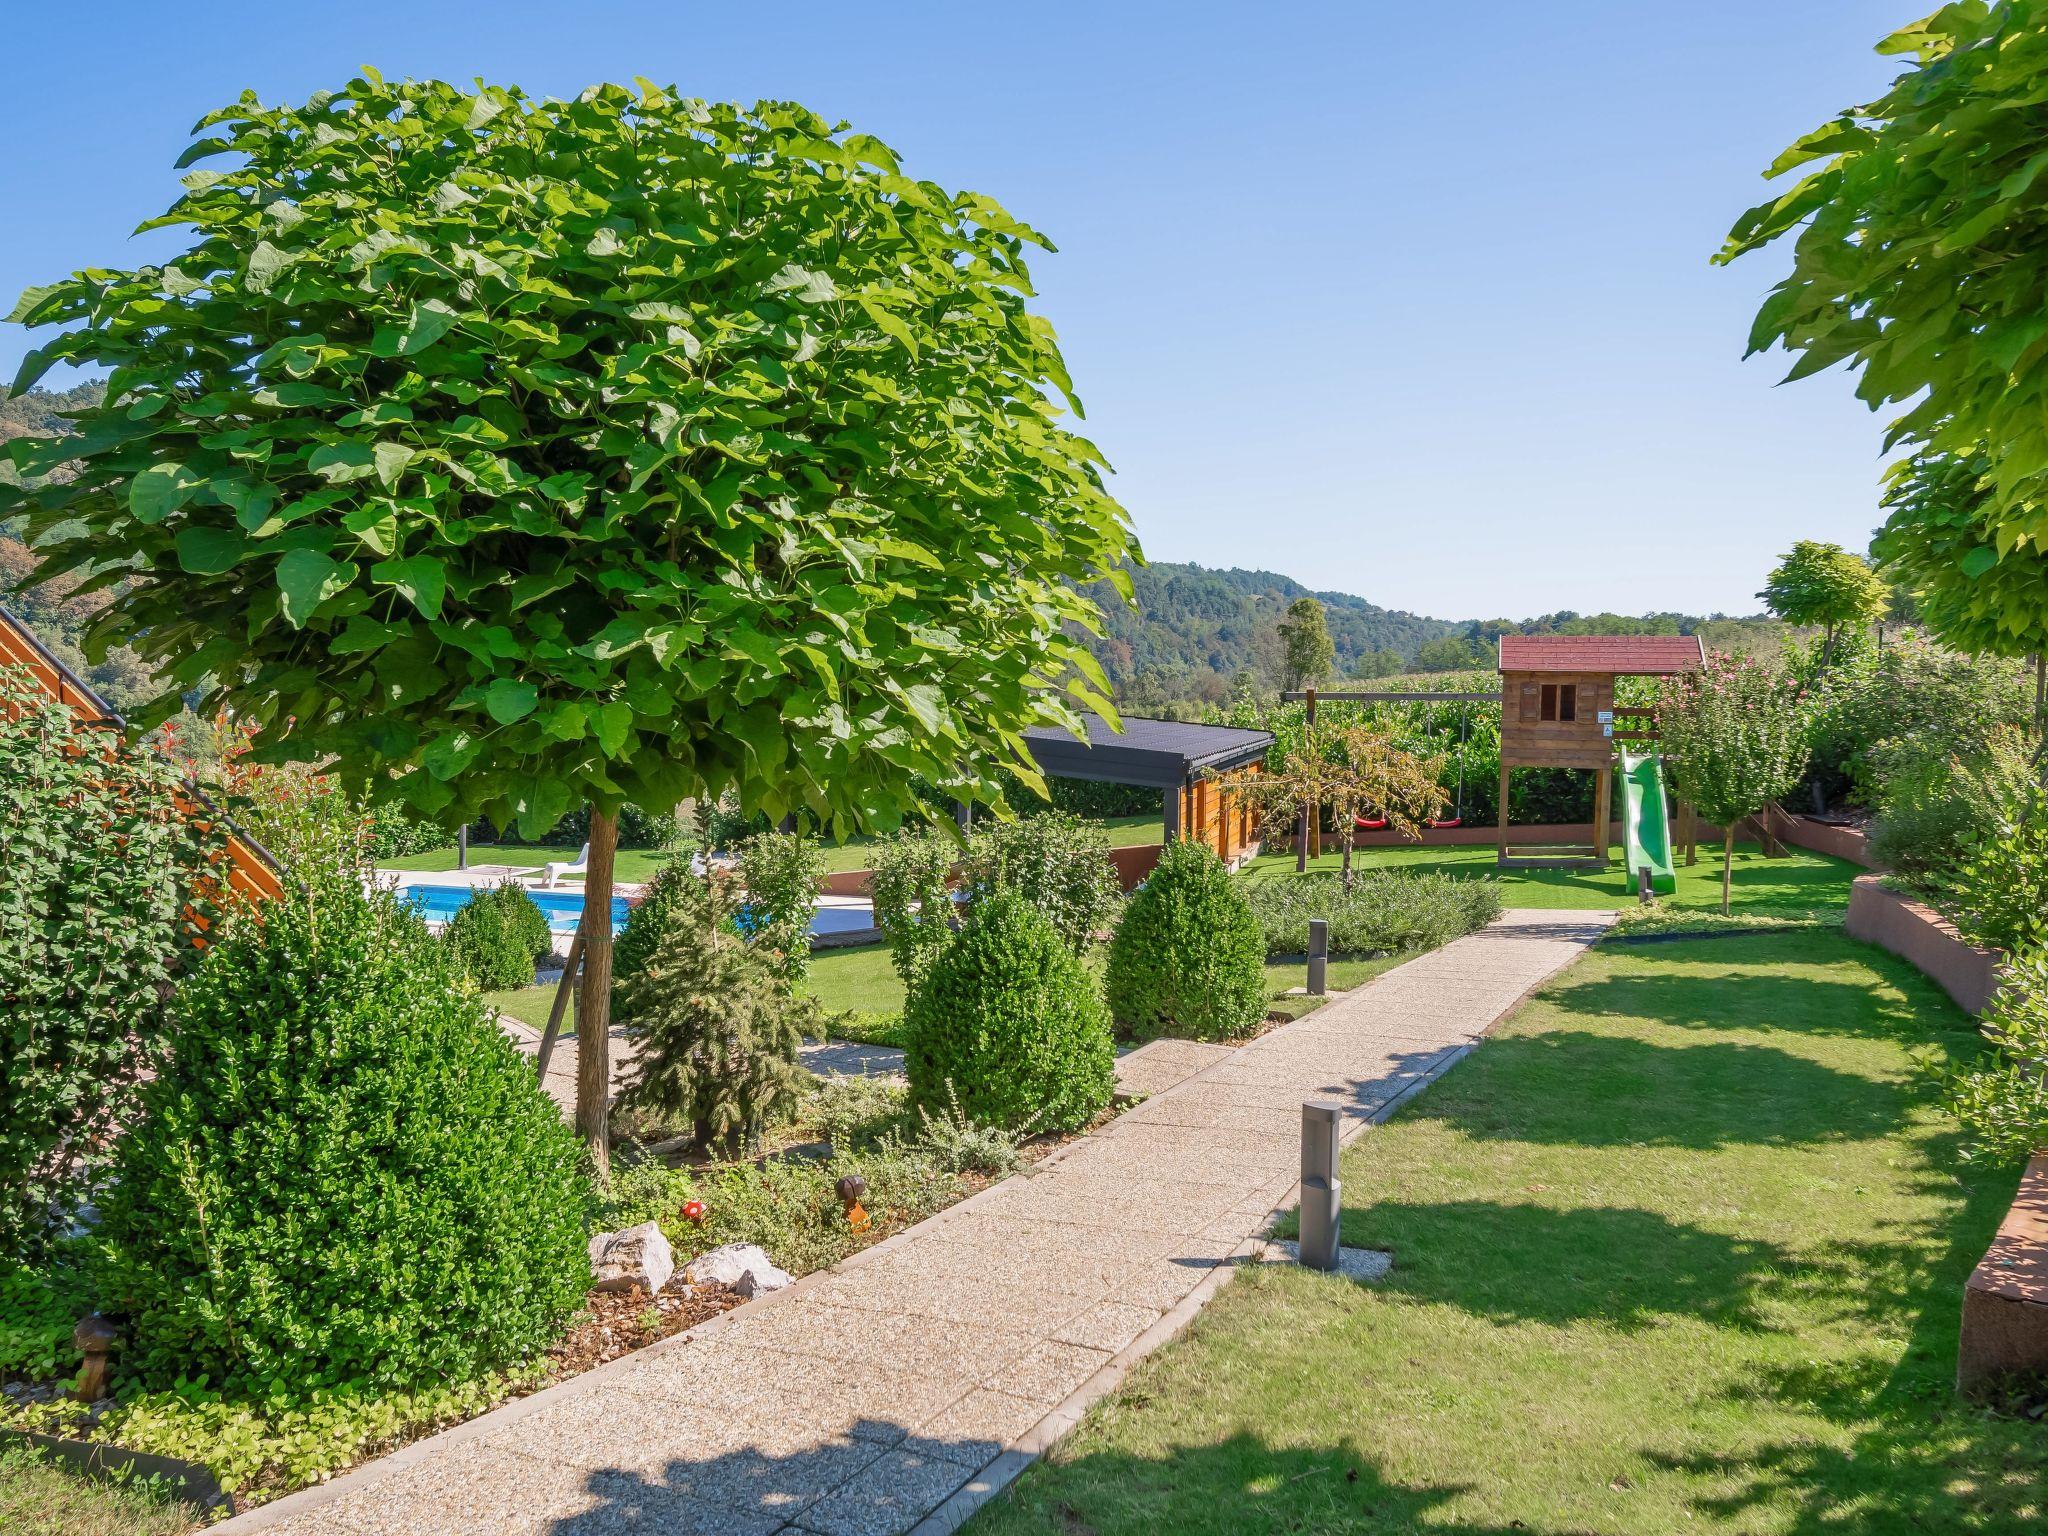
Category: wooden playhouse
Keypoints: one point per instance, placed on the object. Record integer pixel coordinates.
(1557, 710)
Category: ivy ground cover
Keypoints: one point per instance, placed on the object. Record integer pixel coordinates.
(1681, 1248)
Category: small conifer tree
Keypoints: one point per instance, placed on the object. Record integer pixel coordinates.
(716, 1025)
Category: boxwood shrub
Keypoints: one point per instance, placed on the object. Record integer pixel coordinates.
(499, 937)
(1383, 912)
(1188, 959)
(343, 1171)
(1007, 1024)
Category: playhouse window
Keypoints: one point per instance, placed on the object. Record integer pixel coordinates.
(1560, 701)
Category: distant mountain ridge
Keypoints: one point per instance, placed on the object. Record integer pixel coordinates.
(1196, 629)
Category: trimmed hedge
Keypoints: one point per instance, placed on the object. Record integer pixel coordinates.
(1007, 1024)
(343, 1172)
(1384, 911)
(1188, 960)
(498, 938)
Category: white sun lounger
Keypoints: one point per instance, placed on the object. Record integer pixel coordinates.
(551, 874)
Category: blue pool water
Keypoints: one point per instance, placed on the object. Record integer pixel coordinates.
(438, 903)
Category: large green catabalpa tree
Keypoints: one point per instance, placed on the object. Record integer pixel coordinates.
(514, 455)
(1920, 249)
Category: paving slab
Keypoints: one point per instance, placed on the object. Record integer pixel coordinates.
(914, 1380)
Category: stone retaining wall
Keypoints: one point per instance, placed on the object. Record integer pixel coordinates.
(1918, 934)
(2005, 1304)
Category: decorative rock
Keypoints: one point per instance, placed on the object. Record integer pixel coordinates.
(637, 1258)
(743, 1266)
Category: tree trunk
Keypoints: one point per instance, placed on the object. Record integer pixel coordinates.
(1727, 867)
(1827, 647)
(1346, 838)
(1301, 843)
(593, 1019)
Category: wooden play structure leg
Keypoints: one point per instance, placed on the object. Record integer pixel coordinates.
(1603, 808)
(1502, 856)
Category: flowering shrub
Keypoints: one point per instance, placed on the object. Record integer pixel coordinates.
(1735, 735)
(107, 885)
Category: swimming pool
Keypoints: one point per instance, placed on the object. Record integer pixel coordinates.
(438, 903)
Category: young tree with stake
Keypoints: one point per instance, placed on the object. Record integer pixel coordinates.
(1735, 735)
(517, 455)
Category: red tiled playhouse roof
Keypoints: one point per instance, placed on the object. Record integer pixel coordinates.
(1623, 655)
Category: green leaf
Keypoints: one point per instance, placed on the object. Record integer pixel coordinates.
(614, 725)
(210, 551)
(31, 300)
(391, 460)
(422, 578)
(160, 490)
(508, 700)
(266, 261)
(1978, 561)
(362, 633)
(305, 579)
(429, 323)
(890, 325)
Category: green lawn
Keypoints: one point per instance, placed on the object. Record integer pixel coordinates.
(1800, 882)
(862, 983)
(39, 1499)
(1679, 1249)
(639, 864)
(634, 864)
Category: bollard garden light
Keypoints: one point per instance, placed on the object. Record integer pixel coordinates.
(1320, 1187)
(1318, 956)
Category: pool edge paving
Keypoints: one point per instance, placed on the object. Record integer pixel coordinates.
(942, 1441)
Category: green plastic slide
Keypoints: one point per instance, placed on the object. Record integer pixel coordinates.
(1649, 829)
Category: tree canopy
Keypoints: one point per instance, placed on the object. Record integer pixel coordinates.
(517, 454)
(1825, 584)
(1938, 541)
(1920, 248)
(1311, 655)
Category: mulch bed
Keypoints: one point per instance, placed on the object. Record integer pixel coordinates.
(615, 1323)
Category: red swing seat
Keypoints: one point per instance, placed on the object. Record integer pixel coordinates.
(1371, 826)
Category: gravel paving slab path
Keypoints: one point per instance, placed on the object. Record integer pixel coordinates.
(900, 1390)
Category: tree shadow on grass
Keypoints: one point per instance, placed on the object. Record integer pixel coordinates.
(1579, 1088)
(1913, 1458)
(1730, 986)
(873, 1479)
(1239, 1486)
(1624, 1268)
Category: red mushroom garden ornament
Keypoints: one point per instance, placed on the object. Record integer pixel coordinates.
(693, 1212)
(851, 1188)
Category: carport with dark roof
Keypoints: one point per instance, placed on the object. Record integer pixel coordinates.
(1176, 757)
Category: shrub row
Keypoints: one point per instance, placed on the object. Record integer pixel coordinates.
(1384, 912)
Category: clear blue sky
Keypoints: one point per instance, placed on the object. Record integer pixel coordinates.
(1411, 301)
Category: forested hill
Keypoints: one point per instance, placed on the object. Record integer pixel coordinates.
(1196, 629)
